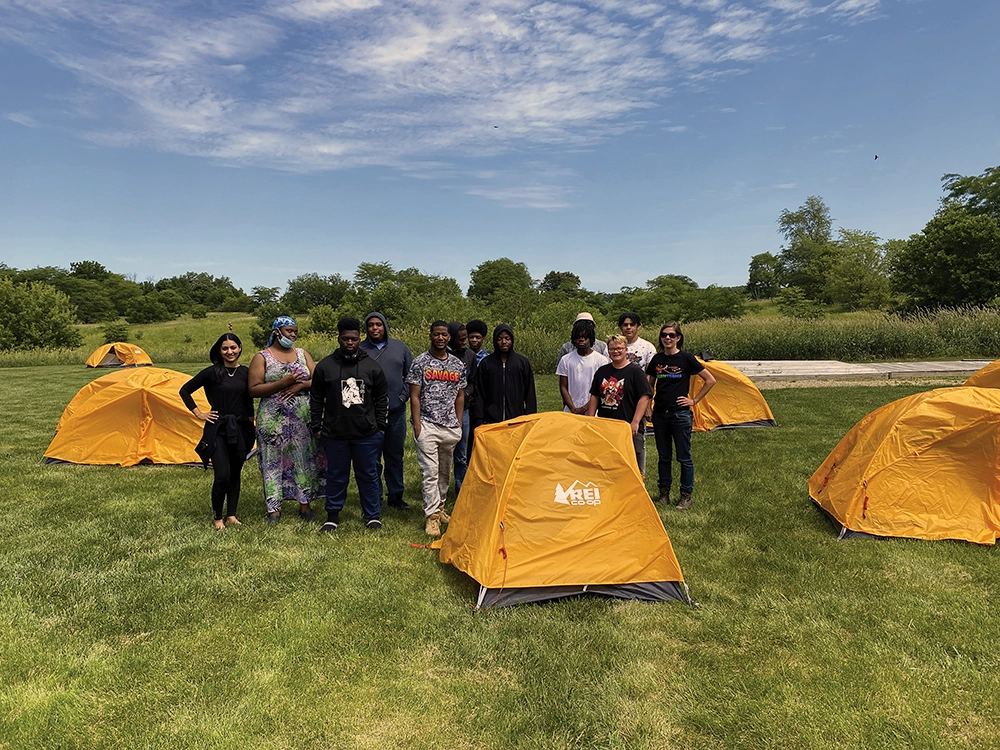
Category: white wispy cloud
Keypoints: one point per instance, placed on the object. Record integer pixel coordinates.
(419, 86)
(21, 119)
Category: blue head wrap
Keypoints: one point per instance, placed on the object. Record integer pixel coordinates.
(280, 322)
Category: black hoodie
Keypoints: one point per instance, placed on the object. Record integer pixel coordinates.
(349, 398)
(470, 361)
(504, 390)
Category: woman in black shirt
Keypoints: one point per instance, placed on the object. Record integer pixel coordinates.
(669, 373)
(229, 429)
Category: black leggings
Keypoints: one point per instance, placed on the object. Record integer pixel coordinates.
(227, 462)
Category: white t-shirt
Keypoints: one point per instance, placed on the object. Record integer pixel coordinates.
(579, 372)
(640, 352)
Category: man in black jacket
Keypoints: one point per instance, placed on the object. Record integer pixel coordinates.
(505, 382)
(349, 403)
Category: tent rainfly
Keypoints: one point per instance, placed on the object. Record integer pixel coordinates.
(986, 377)
(924, 467)
(553, 506)
(129, 417)
(119, 354)
(734, 401)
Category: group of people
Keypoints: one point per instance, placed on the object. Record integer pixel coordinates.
(315, 422)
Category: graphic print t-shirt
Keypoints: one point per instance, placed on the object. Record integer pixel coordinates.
(439, 381)
(618, 391)
(673, 378)
(640, 352)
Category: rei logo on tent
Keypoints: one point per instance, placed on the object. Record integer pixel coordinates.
(578, 494)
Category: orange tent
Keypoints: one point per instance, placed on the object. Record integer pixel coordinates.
(552, 506)
(986, 377)
(734, 401)
(129, 417)
(118, 354)
(926, 466)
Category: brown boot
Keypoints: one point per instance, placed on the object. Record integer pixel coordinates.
(664, 495)
(685, 501)
(445, 518)
(433, 525)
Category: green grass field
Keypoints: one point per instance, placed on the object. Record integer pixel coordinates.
(128, 622)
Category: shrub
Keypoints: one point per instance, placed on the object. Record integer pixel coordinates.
(36, 316)
(199, 311)
(118, 331)
(322, 321)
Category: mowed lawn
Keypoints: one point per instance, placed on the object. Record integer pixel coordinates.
(128, 622)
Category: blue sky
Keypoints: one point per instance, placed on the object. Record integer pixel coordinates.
(619, 140)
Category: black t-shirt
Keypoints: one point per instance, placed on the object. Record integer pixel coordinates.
(673, 378)
(619, 390)
(228, 396)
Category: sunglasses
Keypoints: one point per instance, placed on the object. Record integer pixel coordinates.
(668, 335)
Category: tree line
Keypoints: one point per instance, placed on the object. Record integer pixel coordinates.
(954, 261)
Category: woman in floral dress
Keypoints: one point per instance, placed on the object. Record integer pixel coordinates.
(290, 464)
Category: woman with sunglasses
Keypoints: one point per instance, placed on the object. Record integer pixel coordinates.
(669, 373)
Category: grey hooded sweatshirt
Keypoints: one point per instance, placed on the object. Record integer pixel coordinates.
(395, 358)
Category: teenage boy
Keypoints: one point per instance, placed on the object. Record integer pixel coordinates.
(569, 346)
(620, 390)
(437, 383)
(457, 345)
(395, 358)
(477, 337)
(505, 382)
(349, 404)
(640, 351)
(576, 370)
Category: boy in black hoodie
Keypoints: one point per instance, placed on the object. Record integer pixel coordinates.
(505, 382)
(349, 403)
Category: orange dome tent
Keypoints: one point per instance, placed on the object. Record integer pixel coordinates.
(986, 377)
(553, 505)
(127, 418)
(734, 401)
(925, 467)
(118, 354)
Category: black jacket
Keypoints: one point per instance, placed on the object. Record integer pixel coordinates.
(470, 361)
(349, 399)
(504, 390)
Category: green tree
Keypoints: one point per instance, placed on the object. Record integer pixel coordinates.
(806, 260)
(955, 260)
(312, 290)
(764, 277)
(565, 282)
(89, 269)
(492, 279)
(201, 289)
(261, 295)
(977, 194)
(858, 278)
(36, 316)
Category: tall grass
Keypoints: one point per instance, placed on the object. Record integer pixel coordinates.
(869, 337)
(964, 333)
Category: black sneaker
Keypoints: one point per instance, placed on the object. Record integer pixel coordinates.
(307, 515)
(397, 502)
(332, 522)
(373, 525)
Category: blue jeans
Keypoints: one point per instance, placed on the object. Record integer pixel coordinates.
(363, 454)
(391, 466)
(462, 453)
(674, 427)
